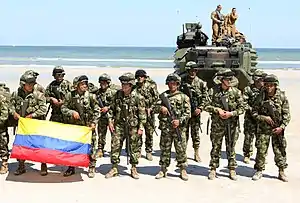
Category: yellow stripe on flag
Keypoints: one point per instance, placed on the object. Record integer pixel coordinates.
(75, 133)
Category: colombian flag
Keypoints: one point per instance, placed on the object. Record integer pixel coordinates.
(52, 142)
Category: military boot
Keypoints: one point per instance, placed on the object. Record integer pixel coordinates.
(112, 173)
(91, 172)
(99, 153)
(212, 174)
(162, 173)
(246, 160)
(183, 174)
(282, 176)
(70, 171)
(44, 171)
(134, 173)
(197, 156)
(232, 174)
(257, 175)
(149, 156)
(4, 167)
(21, 169)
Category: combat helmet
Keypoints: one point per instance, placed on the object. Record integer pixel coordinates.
(58, 70)
(127, 78)
(258, 75)
(190, 65)
(140, 73)
(271, 79)
(32, 72)
(173, 77)
(104, 77)
(27, 78)
(79, 79)
(226, 74)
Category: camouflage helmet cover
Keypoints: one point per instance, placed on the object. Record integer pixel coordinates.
(78, 79)
(104, 77)
(58, 69)
(140, 72)
(226, 74)
(271, 79)
(173, 77)
(32, 72)
(190, 65)
(127, 78)
(27, 77)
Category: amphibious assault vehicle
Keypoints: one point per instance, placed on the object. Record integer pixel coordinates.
(192, 45)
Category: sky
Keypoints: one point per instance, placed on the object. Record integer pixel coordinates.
(154, 23)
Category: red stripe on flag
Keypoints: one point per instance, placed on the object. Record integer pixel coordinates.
(50, 156)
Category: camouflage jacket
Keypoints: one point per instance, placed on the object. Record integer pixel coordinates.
(36, 103)
(136, 109)
(4, 107)
(199, 91)
(58, 91)
(86, 105)
(106, 96)
(280, 106)
(250, 94)
(149, 91)
(180, 104)
(233, 97)
(39, 88)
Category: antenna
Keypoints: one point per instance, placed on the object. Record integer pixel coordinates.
(250, 28)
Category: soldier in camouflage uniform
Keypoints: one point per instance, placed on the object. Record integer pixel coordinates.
(55, 93)
(221, 119)
(105, 93)
(148, 89)
(272, 113)
(36, 109)
(80, 107)
(180, 105)
(250, 125)
(126, 100)
(196, 89)
(4, 137)
(37, 86)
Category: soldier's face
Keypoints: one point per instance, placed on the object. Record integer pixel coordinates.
(173, 86)
(59, 77)
(270, 87)
(82, 86)
(259, 83)
(103, 84)
(126, 87)
(192, 73)
(141, 79)
(28, 87)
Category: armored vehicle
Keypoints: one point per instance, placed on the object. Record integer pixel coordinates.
(236, 54)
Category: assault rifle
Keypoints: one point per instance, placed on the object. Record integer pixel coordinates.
(127, 130)
(167, 104)
(227, 121)
(101, 105)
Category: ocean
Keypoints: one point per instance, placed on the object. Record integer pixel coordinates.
(147, 57)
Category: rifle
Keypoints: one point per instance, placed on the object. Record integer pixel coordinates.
(101, 105)
(126, 130)
(228, 128)
(277, 124)
(167, 104)
(207, 127)
(80, 110)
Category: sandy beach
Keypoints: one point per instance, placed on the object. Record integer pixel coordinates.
(31, 187)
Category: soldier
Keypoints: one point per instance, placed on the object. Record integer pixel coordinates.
(80, 107)
(231, 19)
(127, 112)
(55, 93)
(196, 89)
(4, 137)
(33, 102)
(226, 104)
(217, 21)
(250, 125)
(171, 128)
(104, 94)
(272, 113)
(148, 89)
(37, 86)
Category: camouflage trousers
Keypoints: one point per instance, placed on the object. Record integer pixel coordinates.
(102, 131)
(262, 145)
(168, 136)
(4, 140)
(117, 141)
(194, 125)
(149, 130)
(57, 118)
(218, 130)
(250, 129)
(92, 155)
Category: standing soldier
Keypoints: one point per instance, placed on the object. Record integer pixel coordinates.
(104, 95)
(250, 125)
(148, 89)
(272, 112)
(231, 19)
(226, 104)
(55, 93)
(173, 123)
(217, 21)
(196, 89)
(4, 136)
(32, 103)
(127, 117)
(80, 107)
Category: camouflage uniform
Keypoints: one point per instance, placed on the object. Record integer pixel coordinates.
(196, 89)
(85, 104)
(234, 99)
(36, 109)
(250, 125)
(278, 102)
(106, 96)
(4, 137)
(180, 105)
(148, 89)
(135, 106)
(57, 89)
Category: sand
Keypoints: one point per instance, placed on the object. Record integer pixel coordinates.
(31, 187)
